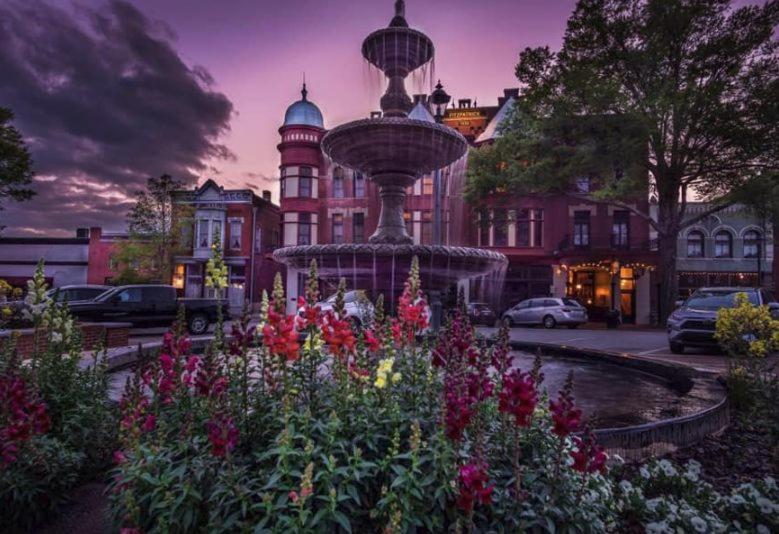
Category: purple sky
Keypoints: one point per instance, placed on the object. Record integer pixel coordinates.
(256, 53)
(108, 92)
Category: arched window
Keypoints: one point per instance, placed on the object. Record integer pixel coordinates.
(751, 244)
(723, 244)
(695, 244)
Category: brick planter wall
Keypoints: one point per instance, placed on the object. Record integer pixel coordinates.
(115, 335)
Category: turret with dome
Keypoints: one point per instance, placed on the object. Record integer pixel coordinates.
(304, 112)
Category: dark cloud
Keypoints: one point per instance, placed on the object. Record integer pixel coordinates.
(104, 101)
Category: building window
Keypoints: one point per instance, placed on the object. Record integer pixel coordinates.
(538, 228)
(500, 228)
(258, 240)
(695, 244)
(216, 232)
(484, 228)
(723, 245)
(179, 271)
(283, 187)
(304, 228)
(359, 185)
(620, 229)
(338, 183)
(338, 228)
(751, 244)
(235, 235)
(523, 227)
(426, 230)
(583, 184)
(427, 184)
(581, 229)
(358, 228)
(304, 187)
(409, 223)
(202, 233)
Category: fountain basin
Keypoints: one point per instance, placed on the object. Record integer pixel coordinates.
(383, 268)
(394, 145)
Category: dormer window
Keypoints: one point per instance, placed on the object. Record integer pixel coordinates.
(583, 184)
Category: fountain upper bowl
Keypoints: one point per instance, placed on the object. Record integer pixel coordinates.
(398, 50)
(394, 145)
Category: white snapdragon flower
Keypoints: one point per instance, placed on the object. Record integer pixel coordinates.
(737, 500)
(626, 486)
(651, 504)
(644, 472)
(770, 483)
(762, 529)
(668, 469)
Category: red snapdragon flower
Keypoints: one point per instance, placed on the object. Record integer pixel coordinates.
(566, 417)
(518, 396)
(372, 343)
(280, 336)
(308, 314)
(588, 457)
(222, 434)
(338, 334)
(21, 415)
(472, 482)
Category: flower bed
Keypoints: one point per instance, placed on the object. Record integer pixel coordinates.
(370, 431)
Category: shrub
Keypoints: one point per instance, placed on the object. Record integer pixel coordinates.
(747, 333)
(56, 424)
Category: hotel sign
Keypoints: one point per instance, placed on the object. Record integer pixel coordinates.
(464, 115)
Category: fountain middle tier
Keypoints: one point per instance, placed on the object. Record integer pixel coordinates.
(383, 268)
(394, 145)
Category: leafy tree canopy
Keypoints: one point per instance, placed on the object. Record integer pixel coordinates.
(688, 87)
(15, 162)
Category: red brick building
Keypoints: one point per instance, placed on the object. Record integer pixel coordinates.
(556, 246)
(247, 225)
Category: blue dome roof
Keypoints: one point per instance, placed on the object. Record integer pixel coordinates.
(304, 113)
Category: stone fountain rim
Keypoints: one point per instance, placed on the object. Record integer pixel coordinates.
(387, 249)
(396, 29)
(393, 122)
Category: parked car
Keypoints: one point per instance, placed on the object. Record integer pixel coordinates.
(146, 305)
(548, 312)
(481, 313)
(693, 323)
(358, 308)
(76, 293)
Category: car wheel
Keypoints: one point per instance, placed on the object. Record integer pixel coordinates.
(198, 324)
(676, 348)
(549, 322)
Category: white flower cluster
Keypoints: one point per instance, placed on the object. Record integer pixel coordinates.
(685, 503)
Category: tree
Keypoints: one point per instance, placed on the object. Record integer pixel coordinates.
(155, 226)
(693, 83)
(15, 162)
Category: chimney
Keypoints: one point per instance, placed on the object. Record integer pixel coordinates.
(464, 103)
(375, 114)
(266, 195)
(508, 93)
(83, 232)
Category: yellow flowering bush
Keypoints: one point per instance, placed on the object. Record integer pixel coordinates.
(746, 330)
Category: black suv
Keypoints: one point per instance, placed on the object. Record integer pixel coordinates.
(695, 320)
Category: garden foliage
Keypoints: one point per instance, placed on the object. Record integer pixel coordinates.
(315, 426)
(56, 425)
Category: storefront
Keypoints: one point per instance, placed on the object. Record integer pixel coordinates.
(605, 286)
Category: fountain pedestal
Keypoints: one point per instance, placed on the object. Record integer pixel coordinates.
(392, 227)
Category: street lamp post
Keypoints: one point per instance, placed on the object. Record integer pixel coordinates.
(440, 100)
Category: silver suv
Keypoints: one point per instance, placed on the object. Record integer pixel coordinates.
(548, 312)
(356, 304)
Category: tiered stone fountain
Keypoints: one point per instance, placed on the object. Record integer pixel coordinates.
(394, 151)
